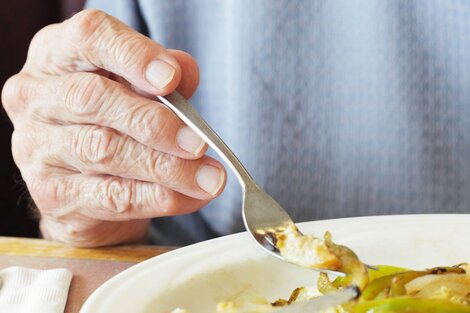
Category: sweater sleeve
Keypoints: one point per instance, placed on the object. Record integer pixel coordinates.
(128, 11)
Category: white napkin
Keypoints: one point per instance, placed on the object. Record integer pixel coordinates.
(25, 290)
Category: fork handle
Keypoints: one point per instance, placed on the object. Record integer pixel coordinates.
(188, 114)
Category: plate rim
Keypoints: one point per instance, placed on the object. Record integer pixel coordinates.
(95, 300)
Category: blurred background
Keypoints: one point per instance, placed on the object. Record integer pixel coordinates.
(19, 21)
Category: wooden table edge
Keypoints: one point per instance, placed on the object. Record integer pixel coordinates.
(51, 249)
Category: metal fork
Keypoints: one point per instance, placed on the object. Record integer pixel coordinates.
(262, 215)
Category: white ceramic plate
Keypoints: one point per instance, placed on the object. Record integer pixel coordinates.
(233, 267)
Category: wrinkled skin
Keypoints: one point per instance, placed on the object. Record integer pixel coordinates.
(98, 155)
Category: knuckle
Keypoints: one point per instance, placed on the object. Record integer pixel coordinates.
(27, 143)
(153, 124)
(116, 195)
(163, 201)
(11, 92)
(130, 50)
(87, 23)
(41, 39)
(166, 201)
(96, 145)
(170, 203)
(84, 94)
(168, 169)
(17, 91)
(47, 193)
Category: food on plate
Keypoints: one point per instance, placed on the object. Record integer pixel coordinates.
(310, 251)
(385, 289)
(306, 250)
(391, 289)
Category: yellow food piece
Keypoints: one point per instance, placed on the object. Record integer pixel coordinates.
(306, 250)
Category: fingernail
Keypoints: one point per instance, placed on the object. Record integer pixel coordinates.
(159, 73)
(210, 178)
(189, 141)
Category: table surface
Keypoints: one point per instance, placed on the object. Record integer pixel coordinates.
(90, 267)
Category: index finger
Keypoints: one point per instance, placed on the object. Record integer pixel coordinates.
(93, 40)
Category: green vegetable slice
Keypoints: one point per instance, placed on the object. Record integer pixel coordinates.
(407, 305)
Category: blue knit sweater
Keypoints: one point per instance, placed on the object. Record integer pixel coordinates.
(337, 108)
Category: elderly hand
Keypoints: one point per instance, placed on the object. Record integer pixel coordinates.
(99, 157)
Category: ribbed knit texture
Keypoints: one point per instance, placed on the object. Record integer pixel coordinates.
(337, 108)
(30, 290)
